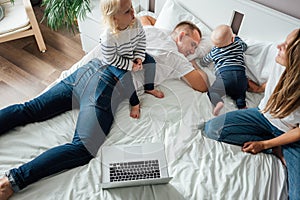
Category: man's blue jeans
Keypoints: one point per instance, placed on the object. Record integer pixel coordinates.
(245, 125)
(126, 79)
(93, 89)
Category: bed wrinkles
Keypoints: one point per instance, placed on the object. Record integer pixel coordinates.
(201, 168)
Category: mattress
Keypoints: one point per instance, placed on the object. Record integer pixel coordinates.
(201, 168)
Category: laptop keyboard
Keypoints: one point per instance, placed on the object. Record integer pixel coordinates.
(136, 170)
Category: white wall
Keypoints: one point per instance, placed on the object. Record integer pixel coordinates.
(260, 22)
(290, 7)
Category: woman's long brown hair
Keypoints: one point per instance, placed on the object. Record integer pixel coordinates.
(286, 96)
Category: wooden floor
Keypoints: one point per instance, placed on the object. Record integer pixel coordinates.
(25, 72)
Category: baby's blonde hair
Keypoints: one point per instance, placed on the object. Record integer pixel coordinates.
(109, 9)
(222, 36)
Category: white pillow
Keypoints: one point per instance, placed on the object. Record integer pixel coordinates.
(146, 13)
(260, 60)
(172, 13)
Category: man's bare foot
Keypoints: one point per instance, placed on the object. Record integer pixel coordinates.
(156, 93)
(218, 108)
(135, 111)
(278, 152)
(5, 189)
(254, 87)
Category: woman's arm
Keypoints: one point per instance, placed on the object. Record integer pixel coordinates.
(286, 138)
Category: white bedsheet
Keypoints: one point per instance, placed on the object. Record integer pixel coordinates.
(201, 168)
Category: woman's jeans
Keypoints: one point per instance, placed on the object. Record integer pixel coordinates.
(92, 88)
(245, 125)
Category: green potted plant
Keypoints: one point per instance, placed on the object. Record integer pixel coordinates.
(64, 13)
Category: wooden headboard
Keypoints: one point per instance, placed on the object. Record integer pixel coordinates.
(259, 23)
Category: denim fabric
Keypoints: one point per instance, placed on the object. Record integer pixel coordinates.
(291, 155)
(125, 78)
(245, 125)
(93, 89)
(150, 67)
(231, 83)
(127, 82)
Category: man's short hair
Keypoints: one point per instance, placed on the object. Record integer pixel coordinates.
(187, 26)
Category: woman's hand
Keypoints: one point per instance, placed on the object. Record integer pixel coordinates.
(253, 147)
(289, 137)
(258, 146)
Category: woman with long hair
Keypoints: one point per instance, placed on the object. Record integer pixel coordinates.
(275, 125)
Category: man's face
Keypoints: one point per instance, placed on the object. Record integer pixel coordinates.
(187, 44)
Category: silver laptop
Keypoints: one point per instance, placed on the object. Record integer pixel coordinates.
(134, 165)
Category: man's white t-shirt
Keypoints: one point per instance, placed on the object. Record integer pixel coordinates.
(292, 120)
(170, 64)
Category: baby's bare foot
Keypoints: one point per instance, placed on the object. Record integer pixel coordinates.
(135, 111)
(5, 189)
(156, 93)
(218, 108)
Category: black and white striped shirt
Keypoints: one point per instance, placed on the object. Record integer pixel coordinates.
(230, 57)
(120, 49)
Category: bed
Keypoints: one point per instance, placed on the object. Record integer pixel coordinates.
(201, 168)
